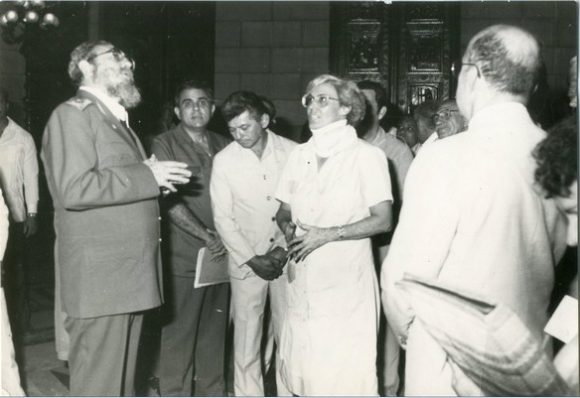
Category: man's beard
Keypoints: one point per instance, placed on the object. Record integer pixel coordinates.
(128, 94)
(125, 90)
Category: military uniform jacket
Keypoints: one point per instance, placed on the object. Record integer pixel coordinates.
(106, 212)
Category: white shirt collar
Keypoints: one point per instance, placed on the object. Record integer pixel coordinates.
(505, 112)
(116, 109)
(432, 138)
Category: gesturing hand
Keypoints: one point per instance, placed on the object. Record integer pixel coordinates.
(266, 267)
(168, 172)
(302, 246)
(215, 245)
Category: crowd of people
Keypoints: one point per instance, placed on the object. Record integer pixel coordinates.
(466, 193)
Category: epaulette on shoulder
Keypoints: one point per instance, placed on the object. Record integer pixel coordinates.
(79, 103)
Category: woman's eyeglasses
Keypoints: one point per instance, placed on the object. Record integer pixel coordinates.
(321, 100)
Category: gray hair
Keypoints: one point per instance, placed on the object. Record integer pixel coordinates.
(508, 57)
(349, 95)
(81, 52)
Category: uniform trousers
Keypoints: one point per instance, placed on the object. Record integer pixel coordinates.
(248, 305)
(193, 339)
(103, 354)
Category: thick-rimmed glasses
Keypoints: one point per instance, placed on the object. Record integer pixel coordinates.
(456, 68)
(321, 100)
(117, 53)
(444, 114)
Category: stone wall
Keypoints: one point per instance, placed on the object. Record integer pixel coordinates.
(554, 23)
(274, 49)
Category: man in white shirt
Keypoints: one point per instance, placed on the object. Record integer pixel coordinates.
(10, 379)
(244, 178)
(19, 181)
(477, 222)
(399, 156)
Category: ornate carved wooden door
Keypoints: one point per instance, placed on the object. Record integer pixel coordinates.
(409, 47)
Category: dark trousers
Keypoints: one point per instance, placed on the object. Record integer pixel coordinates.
(103, 354)
(14, 281)
(193, 339)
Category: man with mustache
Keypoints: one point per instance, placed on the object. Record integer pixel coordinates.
(106, 219)
(194, 330)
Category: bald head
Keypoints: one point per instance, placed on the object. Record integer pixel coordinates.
(508, 58)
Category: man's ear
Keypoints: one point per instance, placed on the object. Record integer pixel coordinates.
(212, 110)
(382, 113)
(264, 120)
(86, 69)
(177, 112)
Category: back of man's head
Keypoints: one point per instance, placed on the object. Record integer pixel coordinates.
(242, 101)
(379, 90)
(507, 57)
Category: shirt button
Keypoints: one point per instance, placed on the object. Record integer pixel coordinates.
(160, 239)
(268, 197)
(271, 240)
(159, 218)
(273, 218)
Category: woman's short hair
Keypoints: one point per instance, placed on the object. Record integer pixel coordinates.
(348, 95)
(557, 158)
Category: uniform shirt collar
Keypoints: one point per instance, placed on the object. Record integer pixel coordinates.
(116, 109)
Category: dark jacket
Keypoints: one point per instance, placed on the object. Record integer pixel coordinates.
(181, 248)
(106, 213)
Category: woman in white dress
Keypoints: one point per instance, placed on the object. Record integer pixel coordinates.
(335, 193)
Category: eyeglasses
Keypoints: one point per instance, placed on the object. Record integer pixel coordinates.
(117, 53)
(444, 114)
(321, 100)
(456, 68)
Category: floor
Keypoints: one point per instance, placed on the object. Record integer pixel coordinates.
(43, 374)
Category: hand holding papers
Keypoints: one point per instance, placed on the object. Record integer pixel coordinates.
(210, 270)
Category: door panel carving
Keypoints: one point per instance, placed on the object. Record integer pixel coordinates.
(408, 47)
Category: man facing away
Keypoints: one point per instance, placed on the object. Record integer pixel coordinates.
(19, 181)
(244, 179)
(194, 333)
(399, 156)
(106, 219)
(478, 221)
